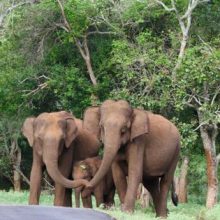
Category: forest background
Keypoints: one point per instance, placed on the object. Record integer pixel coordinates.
(162, 56)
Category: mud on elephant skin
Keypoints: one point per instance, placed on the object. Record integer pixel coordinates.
(150, 144)
(57, 139)
(104, 192)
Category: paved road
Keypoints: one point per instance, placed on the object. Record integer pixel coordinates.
(8, 212)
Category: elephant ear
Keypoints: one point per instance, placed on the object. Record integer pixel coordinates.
(91, 121)
(28, 130)
(71, 131)
(71, 127)
(140, 123)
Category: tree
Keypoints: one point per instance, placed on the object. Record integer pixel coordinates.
(11, 152)
(7, 7)
(181, 181)
(198, 87)
(185, 21)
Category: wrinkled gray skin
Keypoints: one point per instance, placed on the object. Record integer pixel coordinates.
(57, 139)
(149, 143)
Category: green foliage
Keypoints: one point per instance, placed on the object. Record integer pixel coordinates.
(5, 166)
(197, 178)
(198, 81)
(69, 87)
(139, 71)
(79, 14)
(188, 135)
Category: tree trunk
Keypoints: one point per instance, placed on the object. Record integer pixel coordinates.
(16, 167)
(218, 160)
(84, 51)
(208, 134)
(181, 54)
(90, 70)
(17, 181)
(182, 189)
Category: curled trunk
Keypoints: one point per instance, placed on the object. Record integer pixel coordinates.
(110, 152)
(52, 168)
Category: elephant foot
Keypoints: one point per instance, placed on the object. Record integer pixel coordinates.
(33, 202)
(127, 209)
(161, 215)
(58, 203)
(108, 206)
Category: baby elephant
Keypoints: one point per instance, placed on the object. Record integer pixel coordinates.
(104, 192)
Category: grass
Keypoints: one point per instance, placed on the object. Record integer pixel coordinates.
(189, 211)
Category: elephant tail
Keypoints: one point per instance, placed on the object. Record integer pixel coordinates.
(173, 194)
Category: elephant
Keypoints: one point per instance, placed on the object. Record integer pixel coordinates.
(58, 139)
(146, 144)
(104, 192)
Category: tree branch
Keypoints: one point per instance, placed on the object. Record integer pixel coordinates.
(101, 33)
(191, 6)
(164, 6)
(217, 160)
(215, 95)
(33, 92)
(10, 9)
(185, 24)
(22, 174)
(63, 15)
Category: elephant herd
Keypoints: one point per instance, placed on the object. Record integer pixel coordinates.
(139, 147)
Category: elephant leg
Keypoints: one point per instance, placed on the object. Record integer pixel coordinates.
(62, 197)
(119, 177)
(135, 173)
(109, 198)
(87, 201)
(77, 196)
(165, 184)
(35, 179)
(68, 198)
(153, 187)
(98, 193)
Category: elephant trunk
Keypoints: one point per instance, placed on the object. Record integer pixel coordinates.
(77, 196)
(55, 174)
(110, 151)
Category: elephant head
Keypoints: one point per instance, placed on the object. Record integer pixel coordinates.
(116, 124)
(50, 134)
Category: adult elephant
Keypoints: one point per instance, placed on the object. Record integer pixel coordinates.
(58, 140)
(149, 143)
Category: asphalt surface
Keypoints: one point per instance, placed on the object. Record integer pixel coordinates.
(8, 212)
